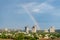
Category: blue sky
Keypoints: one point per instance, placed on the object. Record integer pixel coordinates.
(16, 14)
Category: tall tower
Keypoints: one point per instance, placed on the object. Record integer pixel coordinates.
(34, 29)
(26, 29)
(52, 29)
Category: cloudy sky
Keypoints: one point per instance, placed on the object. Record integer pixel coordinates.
(19, 13)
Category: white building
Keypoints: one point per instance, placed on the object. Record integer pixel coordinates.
(26, 29)
(46, 30)
(6, 29)
(34, 29)
(52, 29)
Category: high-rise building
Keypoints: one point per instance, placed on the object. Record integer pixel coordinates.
(52, 29)
(26, 29)
(34, 29)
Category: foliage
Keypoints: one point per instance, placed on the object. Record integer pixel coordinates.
(32, 36)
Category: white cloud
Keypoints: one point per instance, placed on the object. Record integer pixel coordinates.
(36, 10)
(44, 7)
(39, 8)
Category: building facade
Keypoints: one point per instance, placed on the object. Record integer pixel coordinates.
(34, 29)
(52, 29)
(26, 29)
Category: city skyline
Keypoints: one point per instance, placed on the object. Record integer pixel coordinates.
(45, 13)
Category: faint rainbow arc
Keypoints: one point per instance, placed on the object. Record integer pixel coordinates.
(33, 19)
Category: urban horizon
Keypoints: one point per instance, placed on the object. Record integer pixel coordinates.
(29, 19)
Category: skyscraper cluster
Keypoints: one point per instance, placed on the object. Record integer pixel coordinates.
(33, 29)
(51, 29)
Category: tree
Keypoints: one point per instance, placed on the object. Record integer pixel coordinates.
(19, 36)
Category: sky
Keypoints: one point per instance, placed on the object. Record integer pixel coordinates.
(16, 14)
